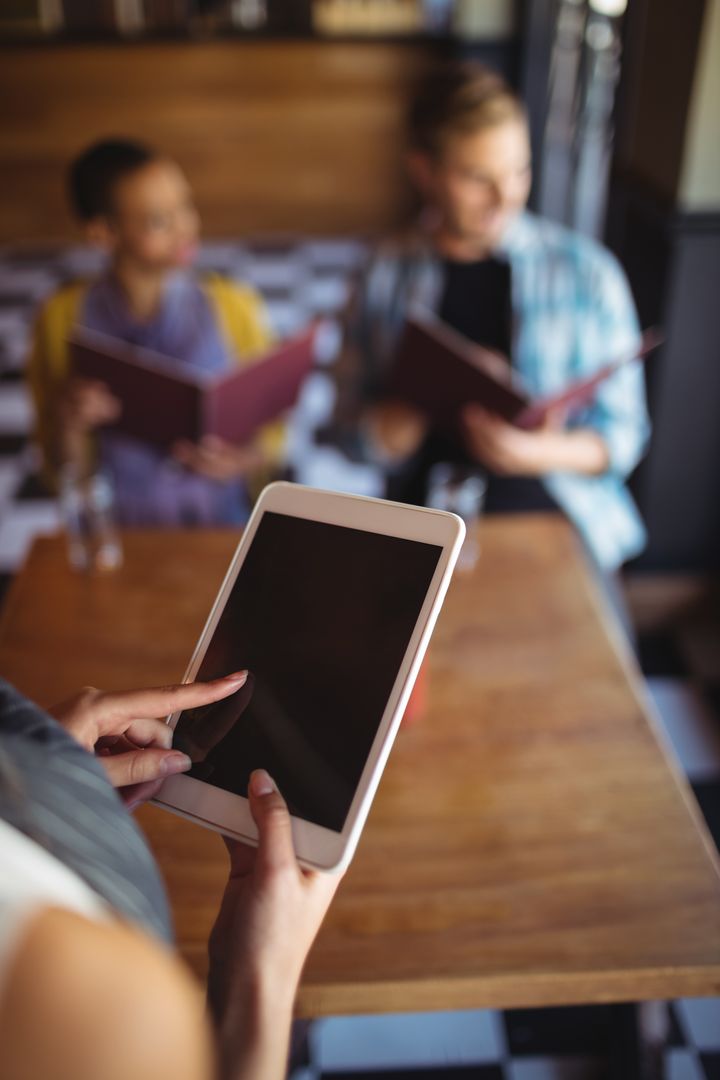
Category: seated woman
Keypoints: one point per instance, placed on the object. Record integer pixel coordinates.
(89, 986)
(137, 206)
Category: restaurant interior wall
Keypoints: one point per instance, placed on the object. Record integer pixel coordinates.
(664, 223)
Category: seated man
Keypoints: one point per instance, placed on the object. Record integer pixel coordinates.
(554, 302)
(137, 206)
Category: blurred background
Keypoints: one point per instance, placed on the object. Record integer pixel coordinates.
(288, 120)
(287, 116)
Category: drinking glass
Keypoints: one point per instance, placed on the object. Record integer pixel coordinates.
(86, 504)
(460, 489)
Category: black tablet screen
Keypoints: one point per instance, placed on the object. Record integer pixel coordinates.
(321, 615)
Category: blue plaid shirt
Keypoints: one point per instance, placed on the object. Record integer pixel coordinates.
(572, 312)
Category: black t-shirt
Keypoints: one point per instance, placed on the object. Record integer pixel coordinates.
(476, 302)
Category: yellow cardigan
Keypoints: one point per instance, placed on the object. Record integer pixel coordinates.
(238, 309)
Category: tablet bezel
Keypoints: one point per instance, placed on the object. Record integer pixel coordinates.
(318, 847)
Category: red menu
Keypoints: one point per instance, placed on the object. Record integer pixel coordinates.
(164, 400)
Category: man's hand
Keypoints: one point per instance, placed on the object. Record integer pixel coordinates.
(125, 730)
(509, 451)
(395, 428)
(217, 459)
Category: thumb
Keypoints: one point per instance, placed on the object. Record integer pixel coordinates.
(139, 766)
(272, 818)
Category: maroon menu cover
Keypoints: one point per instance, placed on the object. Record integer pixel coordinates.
(440, 371)
(164, 400)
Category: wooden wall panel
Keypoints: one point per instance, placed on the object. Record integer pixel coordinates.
(275, 136)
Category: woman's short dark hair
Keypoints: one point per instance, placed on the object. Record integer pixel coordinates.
(460, 98)
(94, 174)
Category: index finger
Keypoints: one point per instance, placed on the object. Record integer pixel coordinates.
(164, 700)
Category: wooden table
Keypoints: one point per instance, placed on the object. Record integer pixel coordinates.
(531, 841)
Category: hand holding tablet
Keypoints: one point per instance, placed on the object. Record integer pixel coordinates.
(329, 603)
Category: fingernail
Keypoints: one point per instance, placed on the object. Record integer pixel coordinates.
(175, 762)
(238, 677)
(261, 783)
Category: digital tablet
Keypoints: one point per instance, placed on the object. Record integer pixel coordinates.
(329, 602)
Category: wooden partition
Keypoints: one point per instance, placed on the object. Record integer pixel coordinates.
(290, 137)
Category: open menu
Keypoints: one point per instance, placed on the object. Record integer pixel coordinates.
(164, 400)
(440, 371)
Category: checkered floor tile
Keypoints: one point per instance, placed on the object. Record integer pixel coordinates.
(299, 281)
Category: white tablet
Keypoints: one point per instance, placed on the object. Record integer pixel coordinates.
(329, 602)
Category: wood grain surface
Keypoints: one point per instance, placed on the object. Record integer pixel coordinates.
(531, 842)
(280, 137)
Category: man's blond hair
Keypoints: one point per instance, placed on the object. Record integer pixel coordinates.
(460, 99)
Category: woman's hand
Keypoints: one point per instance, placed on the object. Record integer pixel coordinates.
(509, 451)
(270, 914)
(83, 404)
(86, 404)
(217, 459)
(126, 732)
